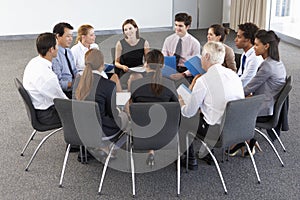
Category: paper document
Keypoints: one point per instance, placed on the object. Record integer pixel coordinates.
(194, 65)
(137, 69)
(122, 98)
(184, 92)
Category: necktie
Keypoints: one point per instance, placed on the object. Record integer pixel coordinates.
(69, 63)
(243, 63)
(178, 51)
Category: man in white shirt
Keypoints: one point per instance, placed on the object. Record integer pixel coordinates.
(41, 82)
(249, 61)
(182, 45)
(212, 90)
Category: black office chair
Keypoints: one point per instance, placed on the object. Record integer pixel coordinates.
(154, 126)
(37, 126)
(82, 126)
(272, 123)
(238, 123)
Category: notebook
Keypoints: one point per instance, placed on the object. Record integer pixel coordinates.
(194, 65)
(184, 92)
(169, 66)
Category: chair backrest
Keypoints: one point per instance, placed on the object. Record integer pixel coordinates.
(154, 125)
(237, 60)
(30, 109)
(238, 122)
(281, 99)
(81, 122)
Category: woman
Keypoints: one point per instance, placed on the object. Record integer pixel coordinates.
(217, 33)
(131, 50)
(269, 79)
(92, 86)
(153, 87)
(85, 40)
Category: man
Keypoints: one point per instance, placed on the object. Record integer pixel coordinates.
(41, 82)
(182, 45)
(63, 65)
(249, 61)
(211, 92)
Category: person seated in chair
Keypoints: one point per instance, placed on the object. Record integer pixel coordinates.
(152, 87)
(269, 80)
(41, 82)
(91, 86)
(211, 92)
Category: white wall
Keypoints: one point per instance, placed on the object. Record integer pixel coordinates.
(226, 11)
(210, 12)
(36, 16)
(187, 6)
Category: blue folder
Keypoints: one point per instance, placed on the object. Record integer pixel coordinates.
(194, 65)
(108, 67)
(169, 66)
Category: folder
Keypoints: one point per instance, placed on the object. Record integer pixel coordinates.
(194, 65)
(169, 66)
(108, 67)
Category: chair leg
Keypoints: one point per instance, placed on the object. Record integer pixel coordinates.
(64, 165)
(105, 168)
(216, 164)
(187, 154)
(253, 161)
(132, 172)
(28, 141)
(178, 167)
(279, 140)
(272, 145)
(38, 148)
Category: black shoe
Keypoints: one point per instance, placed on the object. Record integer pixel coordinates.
(74, 148)
(236, 149)
(150, 159)
(89, 157)
(192, 163)
(252, 144)
(208, 159)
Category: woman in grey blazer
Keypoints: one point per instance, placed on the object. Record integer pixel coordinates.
(269, 79)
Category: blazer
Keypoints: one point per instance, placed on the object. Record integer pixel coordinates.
(103, 92)
(269, 80)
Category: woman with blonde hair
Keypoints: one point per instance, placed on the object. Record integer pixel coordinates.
(91, 86)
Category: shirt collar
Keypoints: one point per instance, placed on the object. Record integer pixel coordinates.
(47, 62)
(96, 72)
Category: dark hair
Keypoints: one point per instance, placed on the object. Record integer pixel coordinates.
(60, 28)
(183, 17)
(44, 42)
(220, 30)
(269, 37)
(133, 23)
(155, 61)
(249, 30)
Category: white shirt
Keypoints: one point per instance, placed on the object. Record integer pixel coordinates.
(211, 93)
(78, 51)
(41, 83)
(251, 66)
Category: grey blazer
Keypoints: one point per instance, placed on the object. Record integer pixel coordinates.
(269, 80)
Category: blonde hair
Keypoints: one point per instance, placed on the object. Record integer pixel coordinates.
(83, 30)
(93, 60)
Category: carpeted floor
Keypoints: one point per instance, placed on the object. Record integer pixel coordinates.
(82, 181)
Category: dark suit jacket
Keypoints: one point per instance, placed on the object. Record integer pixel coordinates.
(141, 90)
(103, 92)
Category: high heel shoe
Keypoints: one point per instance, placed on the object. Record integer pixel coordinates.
(252, 145)
(236, 149)
(150, 159)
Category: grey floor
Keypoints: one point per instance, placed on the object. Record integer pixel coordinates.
(82, 181)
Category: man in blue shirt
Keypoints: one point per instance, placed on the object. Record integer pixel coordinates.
(63, 65)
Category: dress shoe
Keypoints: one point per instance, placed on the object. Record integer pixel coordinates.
(192, 163)
(150, 159)
(208, 159)
(252, 145)
(89, 157)
(236, 149)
